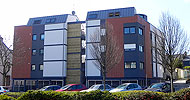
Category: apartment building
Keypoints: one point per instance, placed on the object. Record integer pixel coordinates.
(136, 37)
(52, 52)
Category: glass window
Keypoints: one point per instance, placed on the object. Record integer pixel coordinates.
(140, 48)
(33, 67)
(111, 14)
(117, 13)
(133, 64)
(34, 51)
(140, 31)
(141, 65)
(42, 37)
(41, 51)
(126, 30)
(41, 67)
(37, 22)
(92, 16)
(127, 64)
(34, 37)
(129, 47)
(132, 30)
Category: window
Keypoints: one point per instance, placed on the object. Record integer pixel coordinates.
(140, 31)
(41, 51)
(33, 67)
(141, 65)
(130, 64)
(34, 51)
(37, 22)
(117, 13)
(133, 64)
(41, 67)
(34, 37)
(92, 16)
(50, 20)
(140, 48)
(111, 14)
(42, 37)
(128, 30)
(127, 64)
(129, 47)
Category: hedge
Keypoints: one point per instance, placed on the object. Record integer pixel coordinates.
(183, 94)
(5, 97)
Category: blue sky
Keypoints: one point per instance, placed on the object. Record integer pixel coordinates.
(17, 12)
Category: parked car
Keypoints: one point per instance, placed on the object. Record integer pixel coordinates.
(98, 87)
(3, 89)
(160, 87)
(50, 87)
(72, 87)
(127, 87)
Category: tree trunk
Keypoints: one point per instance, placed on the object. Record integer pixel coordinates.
(171, 82)
(4, 80)
(104, 80)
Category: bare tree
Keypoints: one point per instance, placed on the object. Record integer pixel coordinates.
(5, 60)
(171, 44)
(105, 50)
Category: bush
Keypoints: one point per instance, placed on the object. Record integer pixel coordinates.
(5, 97)
(183, 94)
(14, 94)
(141, 95)
(44, 95)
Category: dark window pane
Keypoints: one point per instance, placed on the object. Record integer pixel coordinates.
(34, 37)
(126, 30)
(140, 31)
(111, 14)
(34, 52)
(37, 21)
(132, 30)
(42, 37)
(117, 13)
(92, 16)
(41, 51)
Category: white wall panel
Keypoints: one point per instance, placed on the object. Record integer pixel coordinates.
(154, 69)
(91, 31)
(160, 70)
(91, 69)
(93, 22)
(55, 37)
(65, 53)
(53, 52)
(54, 69)
(55, 26)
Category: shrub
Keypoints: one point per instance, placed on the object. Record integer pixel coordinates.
(141, 95)
(14, 94)
(5, 97)
(183, 94)
(44, 95)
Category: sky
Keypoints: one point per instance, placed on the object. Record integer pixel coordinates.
(18, 12)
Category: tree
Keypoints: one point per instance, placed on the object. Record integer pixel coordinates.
(171, 44)
(5, 60)
(105, 49)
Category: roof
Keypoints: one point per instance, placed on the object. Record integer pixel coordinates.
(48, 20)
(105, 14)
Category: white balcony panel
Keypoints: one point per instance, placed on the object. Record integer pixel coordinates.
(55, 37)
(154, 69)
(160, 70)
(93, 22)
(91, 69)
(65, 52)
(55, 26)
(93, 32)
(54, 69)
(53, 52)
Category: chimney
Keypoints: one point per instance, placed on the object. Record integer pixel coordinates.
(1, 39)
